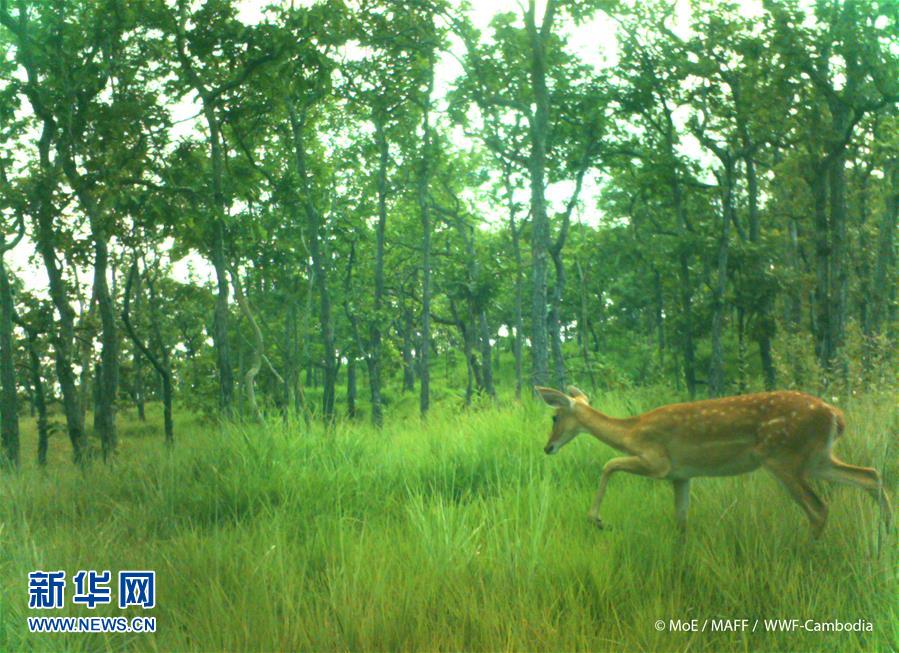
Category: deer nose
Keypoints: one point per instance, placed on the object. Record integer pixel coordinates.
(549, 449)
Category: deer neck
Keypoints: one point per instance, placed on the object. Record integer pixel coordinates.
(614, 432)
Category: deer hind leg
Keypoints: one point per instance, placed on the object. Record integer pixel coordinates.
(681, 502)
(865, 478)
(815, 509)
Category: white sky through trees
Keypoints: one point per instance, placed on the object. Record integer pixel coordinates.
(594, 42)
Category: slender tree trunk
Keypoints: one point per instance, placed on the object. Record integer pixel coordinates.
(839, 278)
(518, 312)
(138, 381)
(685, 281)
(167, 419)
(294, 397)
(241, 371)
(88, 334)
(486, 353)
(883, 301)
(351, 386)
(40, 402)
(257, 351)
(659, 315)
(476, 312)
(218, 258)
(822, 329)
(518, 302)
(290, 319)
(766, 323)
(108, 379)
(539, 129)
(686, 301)
(64, 335)
(555, 328)
(138, 360)
(408, 358)
(9, 409)
(306, 356)
(583, 322)
(741, 350)
(374, 347)
(161, 363)
(794, 295)
(318, 252)
(716, 367)
(863, 265)
(424, 176)
(471, 363)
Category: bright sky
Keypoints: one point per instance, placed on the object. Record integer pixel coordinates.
(594, 42)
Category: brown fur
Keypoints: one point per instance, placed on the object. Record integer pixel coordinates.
(788, 433)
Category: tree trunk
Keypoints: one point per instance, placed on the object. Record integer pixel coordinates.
(766, 324)
(555, 328)
(686, 300)
(408, 358)
(138, 382)
(218, 258)
(716, 367)
(88, 333)
(108, 379)
(138, 363)
(686, 285)
(318, 252)
(741, 350)
(374, 347)
(64, 336)
(839, 279)
(290, 362)
(471, 363)
(294, 397)
(306, 356)
(822, 329)
(486, 353)
(9, 409)
(424, 177)
(161, 364)
(351, 386)
(257, 351)
(40, 402)
(518, 325)
(583, 328)
(794, 295)
(883, 301)
(539, 127)
(659, 316)
(476, 312)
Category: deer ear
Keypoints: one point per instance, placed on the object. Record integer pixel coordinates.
(577, 393)
(554, 398)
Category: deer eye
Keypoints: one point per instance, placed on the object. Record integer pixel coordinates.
(555, 418)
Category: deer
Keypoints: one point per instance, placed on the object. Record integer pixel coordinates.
(788, 433)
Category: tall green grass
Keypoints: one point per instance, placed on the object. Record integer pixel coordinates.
(456, 534)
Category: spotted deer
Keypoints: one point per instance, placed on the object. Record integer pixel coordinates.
(788, 433)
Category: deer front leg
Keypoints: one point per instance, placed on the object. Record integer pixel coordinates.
(632, 464)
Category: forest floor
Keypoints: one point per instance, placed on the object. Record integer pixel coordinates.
(457, 535)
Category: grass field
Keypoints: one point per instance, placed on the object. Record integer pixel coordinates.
(455, 535)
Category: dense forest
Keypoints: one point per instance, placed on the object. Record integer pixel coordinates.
(318, 210)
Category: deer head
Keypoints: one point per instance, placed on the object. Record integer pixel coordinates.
(565, 424)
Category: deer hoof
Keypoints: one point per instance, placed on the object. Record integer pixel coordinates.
(596, 521)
